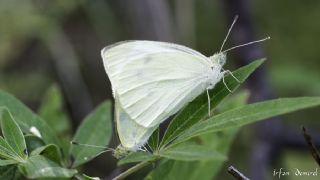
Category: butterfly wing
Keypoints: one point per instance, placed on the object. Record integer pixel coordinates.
(153, 80)
(132, 135)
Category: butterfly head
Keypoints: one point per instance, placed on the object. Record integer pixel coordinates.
(217, 61)
(218, 58)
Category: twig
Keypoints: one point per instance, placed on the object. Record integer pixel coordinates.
(312, 147)
(236, 173)
(114, 173)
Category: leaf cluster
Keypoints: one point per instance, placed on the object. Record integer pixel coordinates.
(36, 148)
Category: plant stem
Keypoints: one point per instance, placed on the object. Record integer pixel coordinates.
(132, 170)
(312, 147)
(237, 174)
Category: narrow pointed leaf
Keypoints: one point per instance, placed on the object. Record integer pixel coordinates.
(12, 133)
(163, 171)
(6, 151)
(235, 101)
(7, 162)
(197, 110)
(208, 169)
(137, 157)
(204, 170)
(248, 114)
(96, 129)
(153, 141)
(192, 152)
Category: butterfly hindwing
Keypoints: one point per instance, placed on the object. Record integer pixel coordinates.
(131, 134)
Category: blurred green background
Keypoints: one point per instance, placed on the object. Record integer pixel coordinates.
(46, 42)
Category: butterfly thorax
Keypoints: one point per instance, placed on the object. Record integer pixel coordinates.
(218, 60)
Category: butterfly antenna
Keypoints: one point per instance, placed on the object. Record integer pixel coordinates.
(225, 39)
(246, 44)
(92, 146)
(209, 102)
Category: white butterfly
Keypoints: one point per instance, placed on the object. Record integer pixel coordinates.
(153, 80)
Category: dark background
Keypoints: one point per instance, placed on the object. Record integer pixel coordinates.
(44, 42)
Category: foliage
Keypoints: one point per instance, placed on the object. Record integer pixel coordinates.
(194, 142)
(192, 134)
(30, 147)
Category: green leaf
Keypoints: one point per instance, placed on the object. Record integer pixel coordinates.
(237, 100)
(221, 141)
(7, 152)
(9, 172)
(50, 151)
(218, 141)
(170, 170)
(191, 152)
(153, 141)
(12, 133)
(52, 111)
(204, 170)
(41, 167)
(162, 171)
(33, 142)
(248, 114)
(137, 157)
(96, 129)
(7, 162)
(26, 118)
(197, 110)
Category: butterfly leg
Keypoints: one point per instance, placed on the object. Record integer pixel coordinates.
(143, 148)
(209, 103)
(231, 74)
(225, 84)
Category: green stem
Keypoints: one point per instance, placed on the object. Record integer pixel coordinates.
(132, 170)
